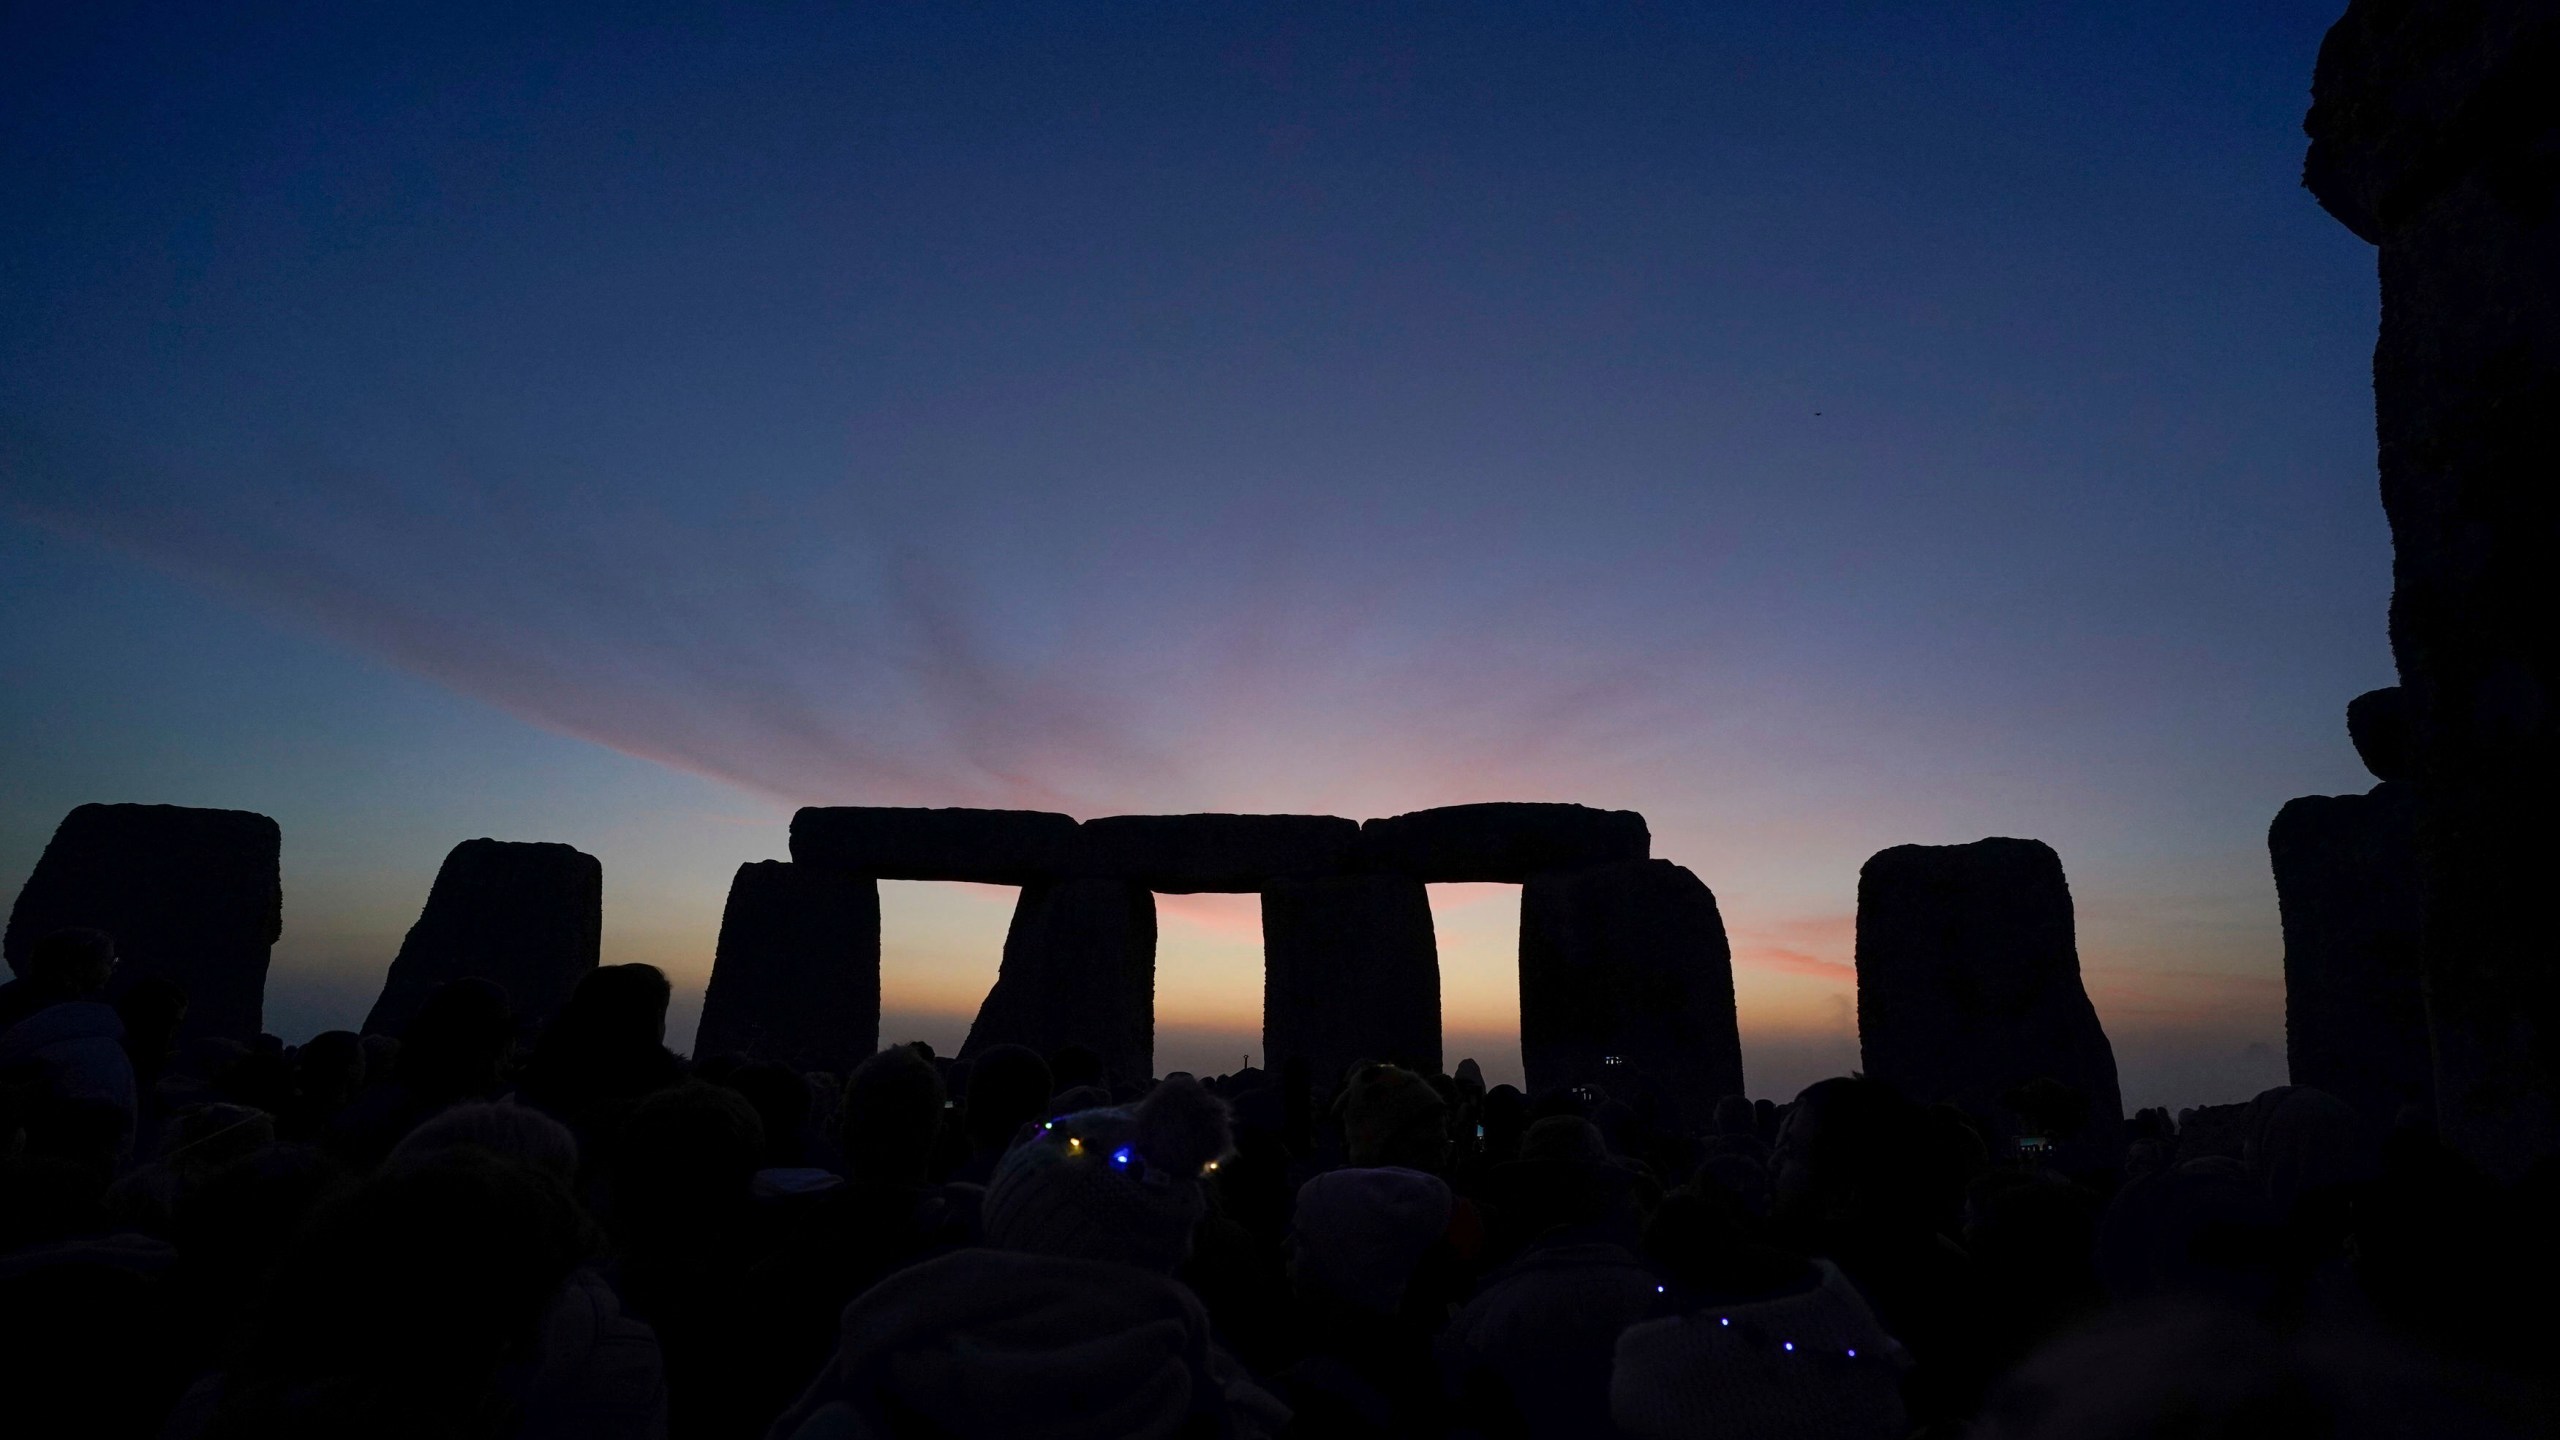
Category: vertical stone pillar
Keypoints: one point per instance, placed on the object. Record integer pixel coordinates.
(2346, 870)
(1079, 968)
(796, 977)
(528, 915)
(1626, 981)
(1969, 986)
(194, 897)
(1351, 971)
(2431, 129)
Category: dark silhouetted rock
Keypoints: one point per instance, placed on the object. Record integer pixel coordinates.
(1079, 969)
(192, 896)
(1181, 854)
(1501, 843)
(2379, 723)
(1969, 986)
(1626, 981)
(527, 915)
(2355, 1014)
(2432, 127)
(1350, 972)
(796, 978)
(995, 847)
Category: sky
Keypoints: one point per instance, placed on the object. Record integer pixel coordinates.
(1817, 426)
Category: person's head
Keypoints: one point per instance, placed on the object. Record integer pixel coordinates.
(685, 1158)
(402, 1303)
(513, 1132)
(460, 1040)
(891, 1117)
(1071, 1066)
(151, 1008)
(74, 960)
(781, 1099)
(329, 1069)
(1009, 1087)
(1358, 1235)
(1116, 1184)
(616, 1005)
(1391, 1116)
(1851, 1150)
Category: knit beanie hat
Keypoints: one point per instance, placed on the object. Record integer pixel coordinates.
(1359, 1233)
(1119, 1184)
(1812, 1364)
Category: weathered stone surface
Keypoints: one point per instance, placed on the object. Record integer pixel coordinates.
(1969, 985)
(528, 915)
(1502, 843)
(995, 847)
(1350, 972)
(2355, 1015)
(1626, 981)
(2383, 731)
(1079, 968)
(796, 977)
(1182, 854)
(193, 896)
(2433, 127)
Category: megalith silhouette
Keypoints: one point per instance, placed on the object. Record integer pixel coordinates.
(528, 915)
(2431, 130)
(1350, 972)
(796, 976)
(1969, 987)
(885, 842)
(1626, 981)
(2346, 871)
(1503, 843)
(192, 896)
(1079, 968)
(1187, 854)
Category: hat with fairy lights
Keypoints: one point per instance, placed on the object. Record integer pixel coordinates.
(1120, 1184)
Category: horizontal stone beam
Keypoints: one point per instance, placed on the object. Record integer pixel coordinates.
(995, 847)
(1183, 854)
(1502, 843)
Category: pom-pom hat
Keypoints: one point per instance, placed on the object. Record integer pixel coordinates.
(1118, 1184)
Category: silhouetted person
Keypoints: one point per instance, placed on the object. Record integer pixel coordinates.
(328, 1073)
(1009, 1087)
(456, 1049)
(882, 1219)
(604, 1050)
(681, 1174)
(72, 963)
(65, 1052)
(1529, 1355)
(1360, 1240)
(1391, 1116)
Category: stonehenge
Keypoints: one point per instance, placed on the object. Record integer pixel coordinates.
(1969, 987)
(191, 896)
(796, 974)
(1351, 967)
(528, 915)
(1626, 980)
(2346, 872)
(2431, 130)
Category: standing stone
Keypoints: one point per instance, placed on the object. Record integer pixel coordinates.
(1503, 843)
(528, 915)
(2433, 129)
(1626, 982)
(192, 896)
(796, 977)
(1350, 972)
(1079, 968)
(2346, 870)
(1969, 986)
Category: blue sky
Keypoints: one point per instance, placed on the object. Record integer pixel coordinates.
(1818, 427)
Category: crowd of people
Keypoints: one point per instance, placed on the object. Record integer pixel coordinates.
(457, 1232)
